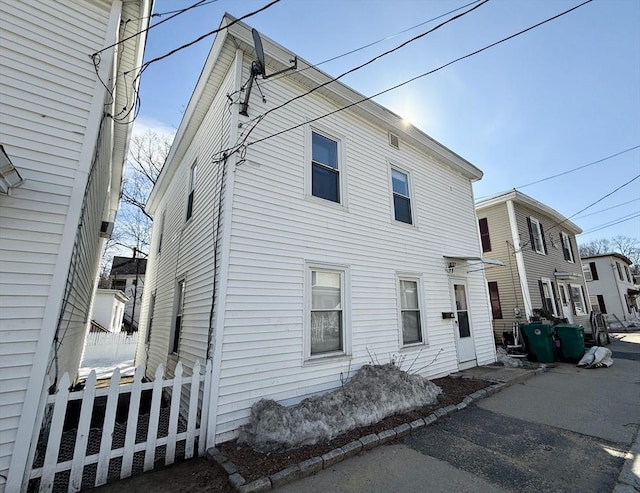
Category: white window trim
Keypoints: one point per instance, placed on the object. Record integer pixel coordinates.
(342, 168)
(417, 278)
(163, 218)
(345, 292)
(414, 217)
(579, 311)
(191, 188)
(566, 243)
(586, 272)
(547, 281)
(539, 236)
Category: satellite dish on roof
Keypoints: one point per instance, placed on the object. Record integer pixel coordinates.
(259, 67)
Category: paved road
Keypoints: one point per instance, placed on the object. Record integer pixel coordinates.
(567, 430)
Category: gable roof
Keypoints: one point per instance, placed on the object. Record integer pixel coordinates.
(531, 203)
(221, 57)
(126, 265)
(609, 254)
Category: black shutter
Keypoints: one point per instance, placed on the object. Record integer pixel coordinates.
(573, 305)
(533, 243)
(587, 304)
(594, 272)
(542, 297)
(603, 308)
(555, 298)
(573, 252)
(484, 234)
(544, 241)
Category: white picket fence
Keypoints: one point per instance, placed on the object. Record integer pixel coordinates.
(185, 424)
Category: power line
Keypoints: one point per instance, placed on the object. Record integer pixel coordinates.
(573, 169)
(177, 13)
(362, 65)
(237, 147)
(613, 223)
(608, 208)
(368, 45)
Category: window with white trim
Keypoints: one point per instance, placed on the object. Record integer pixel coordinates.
(548, 299)
(325, 167)
(410, 311)
(566, 247)
(326, 317)
(401, 196)
(161, 228)
(152, 309)
(578, 299)
(536, 235)
(619, 271)
(587, 272)
(192, 189)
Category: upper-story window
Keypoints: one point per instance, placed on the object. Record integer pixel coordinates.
(325, 167)
(192, 189)
(619, 271)
(626, 271)
(536, 235)
(484, 234)
(588, 276)
(161, 228)
(566, 247)
(178, 311)
(401, 196)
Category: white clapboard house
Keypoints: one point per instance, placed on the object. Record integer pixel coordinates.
(64, 132)
(291, 263)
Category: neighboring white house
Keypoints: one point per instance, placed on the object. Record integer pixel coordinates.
(611, 286)
(108, 309)
(349, 239)
(127, 275)
(64, 132)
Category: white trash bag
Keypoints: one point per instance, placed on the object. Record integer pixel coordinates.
(596, 357)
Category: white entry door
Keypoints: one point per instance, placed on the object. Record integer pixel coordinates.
(463, 329)
(567, 312)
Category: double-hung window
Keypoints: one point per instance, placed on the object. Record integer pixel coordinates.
(547, 295)
(578, 299)
(536, 235)
(401, 196)
(152, 308)
(619, 271)
(566, 247)
(325, 167)
(410, 311)
(177, 322)
(327, 311)
(484, 234)
(192, 189)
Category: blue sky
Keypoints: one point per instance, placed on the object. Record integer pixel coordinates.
(558, 97)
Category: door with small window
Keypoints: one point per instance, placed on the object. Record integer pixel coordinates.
(565, 300)
(462, 321)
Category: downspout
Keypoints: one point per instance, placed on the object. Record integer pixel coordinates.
(219, 316)
(522, 273)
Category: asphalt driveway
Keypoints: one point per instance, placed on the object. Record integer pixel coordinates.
(567, 430)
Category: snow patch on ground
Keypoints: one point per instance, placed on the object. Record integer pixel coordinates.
(503, 357)
(374, 393)
(105, 368)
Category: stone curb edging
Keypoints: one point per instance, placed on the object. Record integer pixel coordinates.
(316, 464)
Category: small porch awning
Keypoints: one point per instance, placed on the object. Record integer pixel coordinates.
(566, 275)
(452, 260)
(9, 176)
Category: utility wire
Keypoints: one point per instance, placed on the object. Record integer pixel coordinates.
(362, 65)
(178, 12)
(236, 149)
(608, 208)
(613, 223)
(387, 38)
(580, 167)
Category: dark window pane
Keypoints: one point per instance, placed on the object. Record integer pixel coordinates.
(411, 327)
(463, 324)
(176, 334)
(402, 206)
(325, 150)
(494, 296)
(326, 331)
(484, 234)
(190, 205)
(325, 183)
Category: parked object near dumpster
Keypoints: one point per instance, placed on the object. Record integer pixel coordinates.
(596, 357)
(571, 338)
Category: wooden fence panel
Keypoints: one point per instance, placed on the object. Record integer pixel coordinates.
(75, 460)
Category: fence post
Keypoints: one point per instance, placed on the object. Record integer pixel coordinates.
(193, 409)
(55, 435)
(82, 436)
(154, 415)
(176, 391)
(132, 424)
(102, 473)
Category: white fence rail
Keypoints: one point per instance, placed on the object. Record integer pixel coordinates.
(109, 346)
(102, 446)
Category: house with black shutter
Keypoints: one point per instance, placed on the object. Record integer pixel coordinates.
(543, 277)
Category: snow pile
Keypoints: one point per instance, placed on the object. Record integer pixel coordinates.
(504, 358)
(372, 394)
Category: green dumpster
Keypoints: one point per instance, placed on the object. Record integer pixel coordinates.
(539, 340)
(571, 341)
